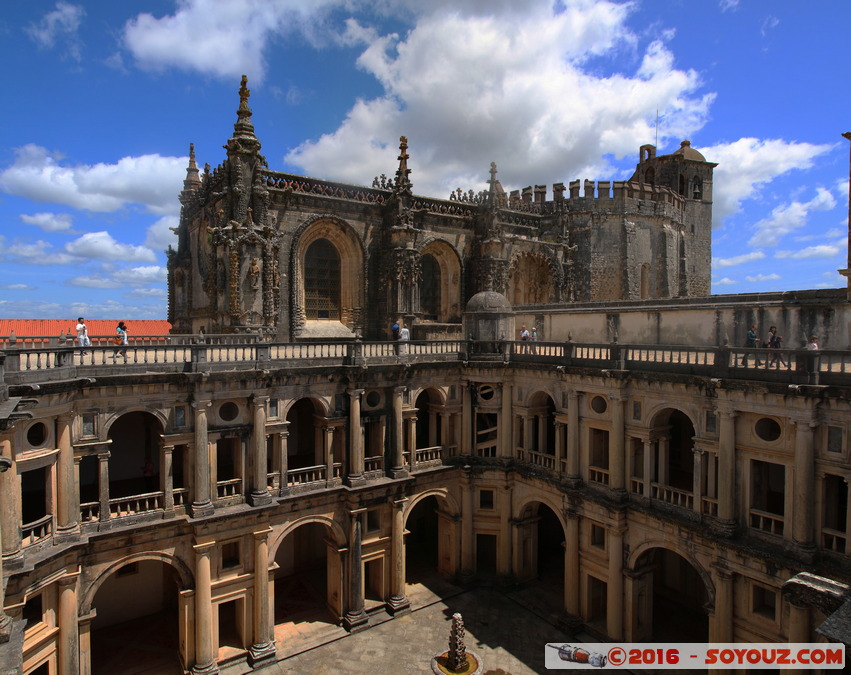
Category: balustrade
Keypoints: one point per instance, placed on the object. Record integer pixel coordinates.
(767, 522)
(833, 540)
(598, 475)
(128, 506)
(308, 474)
(229, 488)
(37, 530)
(672, 495)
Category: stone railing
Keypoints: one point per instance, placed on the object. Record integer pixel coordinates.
(536, 458)
(129, 506)
(672, 495)
(36, 531)
(767, 522)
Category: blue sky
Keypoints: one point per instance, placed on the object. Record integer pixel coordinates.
(101, 100)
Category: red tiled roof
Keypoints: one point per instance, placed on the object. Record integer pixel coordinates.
(53, 327)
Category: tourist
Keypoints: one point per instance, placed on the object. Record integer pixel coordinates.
(404, 337)
(750, 343)
(82, 336)
(812, 345)
(121, 339)
(775, 345)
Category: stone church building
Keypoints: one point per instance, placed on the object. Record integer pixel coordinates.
(280, 464)
(299, 258)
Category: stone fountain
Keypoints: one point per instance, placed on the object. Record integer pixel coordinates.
(457, 660)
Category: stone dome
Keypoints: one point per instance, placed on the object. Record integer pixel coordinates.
(689, 152)
(488, 301)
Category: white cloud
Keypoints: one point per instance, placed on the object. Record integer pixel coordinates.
(160, 235)
(156, 293)
(225, 39)
(788, 217)
(726, 281)
(763, 277)
(123, 278)
(732, 5)
(140, 276)
(747, 165)
(820, 251)
(62, 25)
(149, 180)
(18, 287)
(519, 94)
(738, 260)
(102, 246)
(38, 252)
(49, 222)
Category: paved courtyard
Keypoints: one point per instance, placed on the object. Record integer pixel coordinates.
(508, 636)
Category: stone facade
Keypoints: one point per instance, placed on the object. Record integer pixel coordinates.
(298, 258)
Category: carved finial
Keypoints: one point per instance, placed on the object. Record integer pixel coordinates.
(403, 183)
(192, 180)
(243, 127)
(244, 92)
(493, 172)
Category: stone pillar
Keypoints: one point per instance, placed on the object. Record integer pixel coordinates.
(848, 520)
(466, 446)
(356, 618)
(68, 499)
(262, 649)
(664, 460)
(727, 469)
(804, 493)
(503, 562)
(84, 624)
(571, 564)
(506, 436)
(467, 543)
(616, 446)
(398, 602)
(356, 452)
(614, 593)
(259, 476)
(648, 468)
(69, 635)
(528, 432)
(167, 478)
(103, 486)
(411, 442)
(560, 443)
(699, 470)
(282, 450)
(205, 650)
(5, 467)
(328, 454)
(573, 437)
(398, 469)
(799, 631)
(724, 587)
(202, 504)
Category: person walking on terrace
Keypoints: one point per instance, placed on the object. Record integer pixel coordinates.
(83, 336)
(121, 339)
(750, 343)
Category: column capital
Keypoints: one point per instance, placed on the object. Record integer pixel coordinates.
(399, 390)
(698, 450)
(104, 455)
(804, 420)
(262, 535)
(66, 417)
(355, 393)
(204, 548)
(259, 400)
(723, 572)
(398, 502)
(200, 405)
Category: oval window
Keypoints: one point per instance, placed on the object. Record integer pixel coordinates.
(37, 434)
(599, 405)
(373, 399)
(228, 411)
(486, 392)
(768, 429)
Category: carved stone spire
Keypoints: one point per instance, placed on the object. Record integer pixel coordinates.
(243, 127)
(493, 197)
(192, 181)
(403, 183)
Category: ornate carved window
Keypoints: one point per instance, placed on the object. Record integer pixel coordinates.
(430, 288)
(322, 281)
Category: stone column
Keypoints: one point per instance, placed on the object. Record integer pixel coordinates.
(799, 631)
(398, 469)
(614, 592)
(356, 452)
(573, 437)
(648, 468)
(724, 586)
(202, 504)
(848, 520)
(259, 476)
(699, 470)
(167, 478)
(466, 446)
(398, 602)
(411, 442)
(466, 485)
(616, 446)
(506, 437)
(84, 627)
(356, 618)
(503, 563)
(328, 453)
(5, 467)
(205, 650)
(69, 635)
(560, 442)
(528, 432)
(571, 564)
(103, 486)
(68, 499)
(804, 493)
(727, 469)
(282, 450)
(262, 649)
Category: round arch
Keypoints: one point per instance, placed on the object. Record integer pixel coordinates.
(320, 405)
(113, 417)
(336, 531)
(438, 391)
(184, 574)
(661, 411)
(349, 247)
(440, 493)
(645, 546)
(544, 499)
(449, 284)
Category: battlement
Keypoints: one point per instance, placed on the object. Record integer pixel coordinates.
(604, 192)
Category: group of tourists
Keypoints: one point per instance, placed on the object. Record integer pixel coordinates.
(774, 342)
(120, 340)
(401, 334)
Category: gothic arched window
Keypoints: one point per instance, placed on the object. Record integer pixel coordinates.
(322, 281)
(430, 288)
